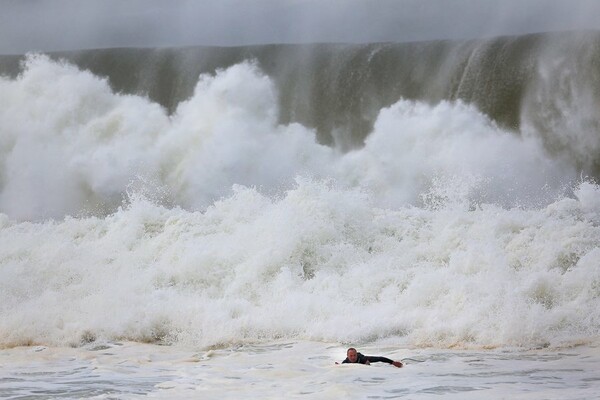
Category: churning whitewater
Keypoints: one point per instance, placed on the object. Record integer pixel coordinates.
(217, 224)
(71, 145)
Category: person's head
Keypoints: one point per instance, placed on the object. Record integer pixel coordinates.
(352, 355)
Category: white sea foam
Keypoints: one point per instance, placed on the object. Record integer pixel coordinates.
(225, 227)
(318, 263)
(68, 144)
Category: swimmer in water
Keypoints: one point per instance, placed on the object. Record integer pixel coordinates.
(353, 356)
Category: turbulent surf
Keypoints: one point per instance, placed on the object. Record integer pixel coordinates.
(430, 194)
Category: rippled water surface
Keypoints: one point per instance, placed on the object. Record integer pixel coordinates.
(294, 370)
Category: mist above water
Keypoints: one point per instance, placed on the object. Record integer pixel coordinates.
(72, 25)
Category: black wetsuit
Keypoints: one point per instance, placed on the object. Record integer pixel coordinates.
(362, 359)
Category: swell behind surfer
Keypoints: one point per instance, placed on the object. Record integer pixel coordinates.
(352, 356)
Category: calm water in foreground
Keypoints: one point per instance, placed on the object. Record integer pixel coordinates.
(294, 370)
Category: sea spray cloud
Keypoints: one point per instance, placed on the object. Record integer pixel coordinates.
(227, 133)
(415, 147)
(88, 144)
(71, 145)
(69, 142)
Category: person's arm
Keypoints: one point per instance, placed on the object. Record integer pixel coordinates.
(379, 359)
(383, 359)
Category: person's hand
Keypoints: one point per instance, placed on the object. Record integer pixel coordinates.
(367, 362)
(397, 364)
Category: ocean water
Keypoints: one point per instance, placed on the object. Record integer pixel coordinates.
(298, 370)
(235, 241)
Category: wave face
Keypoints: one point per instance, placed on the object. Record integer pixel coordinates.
(545, 85)
(431, 194)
